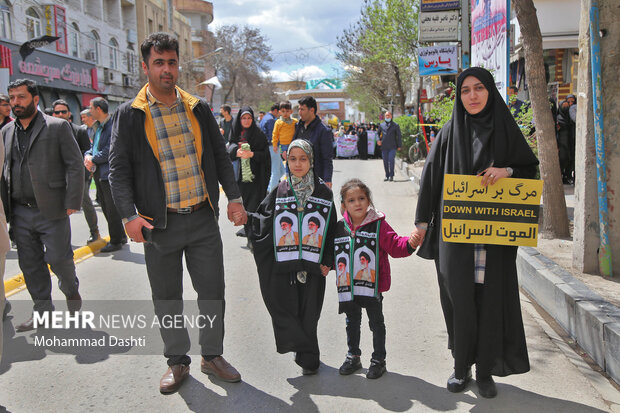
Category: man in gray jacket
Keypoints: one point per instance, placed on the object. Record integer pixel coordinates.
(42, 184)
(390, 140)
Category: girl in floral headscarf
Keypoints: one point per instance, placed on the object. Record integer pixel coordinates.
(291, 274)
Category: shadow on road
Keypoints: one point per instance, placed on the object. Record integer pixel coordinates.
(240, 397)
(18, 349)
(398, 393)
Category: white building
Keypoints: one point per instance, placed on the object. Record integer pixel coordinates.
(96, 55)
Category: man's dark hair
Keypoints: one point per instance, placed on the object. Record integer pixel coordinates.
(48, 111)
(262, 112)
(309, 102)
(285, 105)
(275, 106)
(159, 42)
(61, 102)
(4, 98)
(30, 84)
(101, 103)
(226, 108)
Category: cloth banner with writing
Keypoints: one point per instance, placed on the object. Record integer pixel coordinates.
(346, 146)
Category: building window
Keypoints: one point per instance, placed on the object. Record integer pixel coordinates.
(150, 26)
(113, 45)
(33, 23)
(6, 30)
(93, 53)
(74, 40)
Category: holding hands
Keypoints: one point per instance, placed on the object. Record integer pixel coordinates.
(244, 154)
(324, 270)
(237, 213)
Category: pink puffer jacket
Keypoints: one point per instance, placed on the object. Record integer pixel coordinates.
(389, 243)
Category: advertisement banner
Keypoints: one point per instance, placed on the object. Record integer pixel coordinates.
(489, 39)
(439, 26)
(438, 60)
(505, 213)
(437, 5)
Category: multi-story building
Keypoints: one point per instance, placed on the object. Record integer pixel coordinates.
(160, 16)
(200, 67)
(96, 54)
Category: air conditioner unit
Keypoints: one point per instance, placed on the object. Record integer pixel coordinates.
(108, 75)
(127, 81)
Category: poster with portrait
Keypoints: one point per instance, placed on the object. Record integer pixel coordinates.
(286, 229)
(314, 227)
(343, 274)
(489, 39)
(364, 269)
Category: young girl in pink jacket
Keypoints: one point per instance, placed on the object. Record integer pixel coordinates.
(363, 240)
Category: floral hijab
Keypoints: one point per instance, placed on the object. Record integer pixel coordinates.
(303, 186)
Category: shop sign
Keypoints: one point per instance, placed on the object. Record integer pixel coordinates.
(49, 69)
(438, 60)
(441, 26)
(437, 5)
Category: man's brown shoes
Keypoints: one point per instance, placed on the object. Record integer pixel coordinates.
(221, 369)
(173, 378)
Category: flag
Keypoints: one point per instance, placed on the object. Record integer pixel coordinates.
(27, 48)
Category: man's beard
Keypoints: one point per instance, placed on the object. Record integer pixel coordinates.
(27, 112)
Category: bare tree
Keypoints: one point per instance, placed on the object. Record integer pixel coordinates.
(555, 217)
(240, 66)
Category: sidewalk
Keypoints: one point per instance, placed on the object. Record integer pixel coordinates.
(584, 305)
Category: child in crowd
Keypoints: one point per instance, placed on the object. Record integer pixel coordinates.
(363, 240)
(292, 235)
(284, 129)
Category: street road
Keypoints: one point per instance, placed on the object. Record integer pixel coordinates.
(418, 361)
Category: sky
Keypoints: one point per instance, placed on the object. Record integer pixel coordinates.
(312, 26)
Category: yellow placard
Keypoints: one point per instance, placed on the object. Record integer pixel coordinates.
(505, 213)
(506, 190)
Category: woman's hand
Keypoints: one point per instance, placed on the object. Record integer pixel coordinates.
(244, 154)
(324, 270)
(492, 175)
(417, 237)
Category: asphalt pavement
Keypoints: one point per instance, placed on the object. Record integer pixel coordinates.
(418, 361)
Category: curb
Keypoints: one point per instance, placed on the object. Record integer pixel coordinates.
(17, 283)
(587, 317)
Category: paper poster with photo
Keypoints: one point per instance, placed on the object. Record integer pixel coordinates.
(286, 229)
(364, 271)
(314, 228)
(343, 273)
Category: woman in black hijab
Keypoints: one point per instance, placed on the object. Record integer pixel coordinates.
(478, 285)
(362, 142)
(255, 169)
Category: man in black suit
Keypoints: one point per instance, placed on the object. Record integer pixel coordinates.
(97, 160)
(62, 111)
(42, 184)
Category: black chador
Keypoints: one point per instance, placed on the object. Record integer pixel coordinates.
(290, 243)
(483, 320)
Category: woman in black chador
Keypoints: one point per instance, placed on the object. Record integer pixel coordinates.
(478, 283)
(293, 248)
(362, 142)
(249, 145)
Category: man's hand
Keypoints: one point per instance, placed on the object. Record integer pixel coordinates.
(71, 211)
(329, 185)
(134, 229)
(237, 214)
(324, 270)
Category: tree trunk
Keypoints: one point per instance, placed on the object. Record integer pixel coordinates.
(555, 217)
(401, 92)
(232, 87)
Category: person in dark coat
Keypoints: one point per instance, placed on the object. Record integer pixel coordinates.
(390, 140)
(566, 142)
(249, 144)
(478, 285)
(291, 270)
(362, 142)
